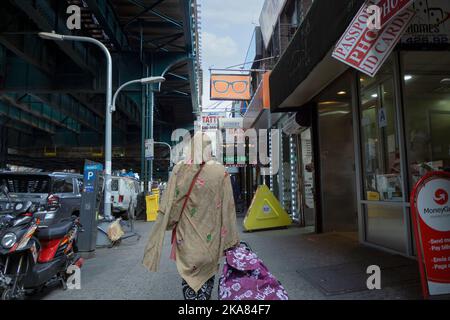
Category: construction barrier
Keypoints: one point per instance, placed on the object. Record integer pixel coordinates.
(266, 212)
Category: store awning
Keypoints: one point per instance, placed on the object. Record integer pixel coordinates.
(306, 66)
(259, 103)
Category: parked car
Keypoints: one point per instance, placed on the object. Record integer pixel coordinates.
(124, 192)
(57, 195)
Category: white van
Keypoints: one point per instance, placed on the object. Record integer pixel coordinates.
(124, 192)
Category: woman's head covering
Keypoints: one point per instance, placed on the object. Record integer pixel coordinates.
(199, 149)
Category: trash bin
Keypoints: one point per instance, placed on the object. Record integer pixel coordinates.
(152, 207)
(156, 193)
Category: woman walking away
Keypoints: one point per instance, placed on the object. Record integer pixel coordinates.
(198, 207)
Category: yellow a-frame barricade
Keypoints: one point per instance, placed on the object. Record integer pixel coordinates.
(266, 212)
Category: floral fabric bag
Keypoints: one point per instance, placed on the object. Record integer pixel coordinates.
(245, 277)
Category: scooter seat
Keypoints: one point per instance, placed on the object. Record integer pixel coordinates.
(55, 231)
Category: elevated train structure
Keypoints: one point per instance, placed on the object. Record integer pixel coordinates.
(52, 93)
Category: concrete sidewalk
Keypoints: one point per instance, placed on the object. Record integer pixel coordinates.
(329, 266)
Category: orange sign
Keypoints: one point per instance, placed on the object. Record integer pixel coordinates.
(230, 87)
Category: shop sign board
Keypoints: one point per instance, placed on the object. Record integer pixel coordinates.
(231, 123)
(431, 25)
(389, 8)
(366, 50)
(231, 87)
(210, 121)
(431, 220)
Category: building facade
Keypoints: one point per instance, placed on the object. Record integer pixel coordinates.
(354, 146)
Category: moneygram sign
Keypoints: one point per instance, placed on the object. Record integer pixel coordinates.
(366, 49)
(431, 219)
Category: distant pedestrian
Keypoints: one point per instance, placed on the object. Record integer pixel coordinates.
(198, 207)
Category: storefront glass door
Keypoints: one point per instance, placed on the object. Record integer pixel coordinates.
(383, 192)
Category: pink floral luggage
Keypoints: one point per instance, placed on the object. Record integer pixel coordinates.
(245, 277)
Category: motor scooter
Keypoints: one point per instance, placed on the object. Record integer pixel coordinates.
(34, 256)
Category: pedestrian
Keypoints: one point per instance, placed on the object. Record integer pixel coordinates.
(198, 207)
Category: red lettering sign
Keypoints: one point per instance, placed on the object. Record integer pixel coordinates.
(430, 209)
(390, 8)
(367, 50)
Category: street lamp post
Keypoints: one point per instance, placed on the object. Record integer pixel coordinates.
(108, 117)
(141, 81)
(167, 145)
(110, 107)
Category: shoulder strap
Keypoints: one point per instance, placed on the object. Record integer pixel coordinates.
(194, 180)
(174, 231)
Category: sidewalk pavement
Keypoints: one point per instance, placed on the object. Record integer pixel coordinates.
(310, 266)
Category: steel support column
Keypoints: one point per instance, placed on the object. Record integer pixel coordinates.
(147, 128)
(156, 65)
(151, 108)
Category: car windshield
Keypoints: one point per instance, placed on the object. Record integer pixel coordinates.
(26, 183)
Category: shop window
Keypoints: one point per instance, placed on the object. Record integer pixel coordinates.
(427, 111)
(380, 142)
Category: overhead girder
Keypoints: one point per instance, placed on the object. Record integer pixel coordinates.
(25, 117)
(178, 76)
(162, 25)
(163, 17)
(191, 48)
(140, 14)
(41, 110)
(47, 19)
(106, 16)
(80, 86)
(39, 57)
(28, 78)
(73, 108)
(19, 126)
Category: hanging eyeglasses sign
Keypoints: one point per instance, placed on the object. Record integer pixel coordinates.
(231, 87)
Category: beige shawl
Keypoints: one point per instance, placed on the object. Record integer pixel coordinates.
(205, 229)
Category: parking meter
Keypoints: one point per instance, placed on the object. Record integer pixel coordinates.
(91, 199)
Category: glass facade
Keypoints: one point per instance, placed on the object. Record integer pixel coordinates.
(404, 116)
(427, 111)
(380, 141)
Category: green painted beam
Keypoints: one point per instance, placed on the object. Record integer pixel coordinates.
(27, 78)
(189, 27)
(47, 19)
(107, 17)
(43, 111)
(73, 108)
(26, 118)
(21, 76)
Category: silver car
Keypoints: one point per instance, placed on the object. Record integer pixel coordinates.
(57, 195)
